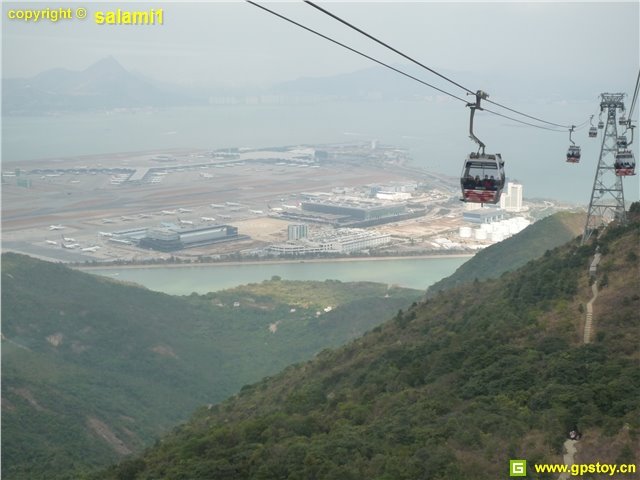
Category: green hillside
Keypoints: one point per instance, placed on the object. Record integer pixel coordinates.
(514, 252)
(450, 389)
(93, 369)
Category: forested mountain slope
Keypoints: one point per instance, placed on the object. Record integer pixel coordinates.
(94, 369)
(450, 389)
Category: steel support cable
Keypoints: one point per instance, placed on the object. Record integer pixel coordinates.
(635, 96)
(427, 68)
(355, 51)
(393, 68)
(388, 46)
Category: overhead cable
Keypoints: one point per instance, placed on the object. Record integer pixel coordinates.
(635, 97)
(355, 51)
(326, 12)
(398, 70)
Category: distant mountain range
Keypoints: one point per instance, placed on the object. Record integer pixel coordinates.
(107, 85)
(104, 85)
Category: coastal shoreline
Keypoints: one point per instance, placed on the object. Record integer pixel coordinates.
(267, 262)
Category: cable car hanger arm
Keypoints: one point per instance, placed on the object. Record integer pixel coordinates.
(476, 106)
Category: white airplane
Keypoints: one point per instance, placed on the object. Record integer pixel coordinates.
(168, 212)
(185, 222)
(124, 218)
(257, 212)
(70, 245)
(208, 219)
(105, 234)
(290, 206)
(51, 242)
(144, 215)
(224, 216)
(184, 210)
(216, 205)
(95, 248)
(68, 239)
(56, 227)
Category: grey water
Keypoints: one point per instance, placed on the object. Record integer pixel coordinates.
(418, 273)
(436, 135)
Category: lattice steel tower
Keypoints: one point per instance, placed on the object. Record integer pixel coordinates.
(607, 196)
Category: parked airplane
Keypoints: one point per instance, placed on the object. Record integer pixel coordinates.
(51, 242)
(184, 210)
(95, 248)
(185, 222)
(68, 239)
(106, 234)
(168, 212)
(208, 219)
(257, 212)
(56, 227)
(216, 205)
(144, 215)
(70, 245)
(124, 218)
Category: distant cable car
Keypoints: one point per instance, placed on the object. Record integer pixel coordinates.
(593, 131)
(622, 120)
(482, 178)
(625, 164)
(600, 124)
(573, 154)
(621, 142)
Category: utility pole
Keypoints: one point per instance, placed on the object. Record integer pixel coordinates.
(607, 195)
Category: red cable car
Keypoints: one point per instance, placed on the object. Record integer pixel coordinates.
(625, 164)
(573, 154)
(482, 178)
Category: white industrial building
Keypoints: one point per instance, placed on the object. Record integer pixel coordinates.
(342, 240)
(511, 200)
(297, 231)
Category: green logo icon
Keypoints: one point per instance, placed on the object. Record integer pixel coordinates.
(517, 468)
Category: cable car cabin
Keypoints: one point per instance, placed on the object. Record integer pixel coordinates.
(482, 178)
(600, 124)
(625, 164)
(573, 155)
(621, 142)
(593, 132)
(622, 120)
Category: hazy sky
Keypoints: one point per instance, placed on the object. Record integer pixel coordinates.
(235, 43)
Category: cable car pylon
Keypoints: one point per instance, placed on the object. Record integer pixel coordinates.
(607, 194)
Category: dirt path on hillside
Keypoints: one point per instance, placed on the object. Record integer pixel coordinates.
(588, 324)
(568, 458)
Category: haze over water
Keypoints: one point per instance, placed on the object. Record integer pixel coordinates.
(436, 135)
